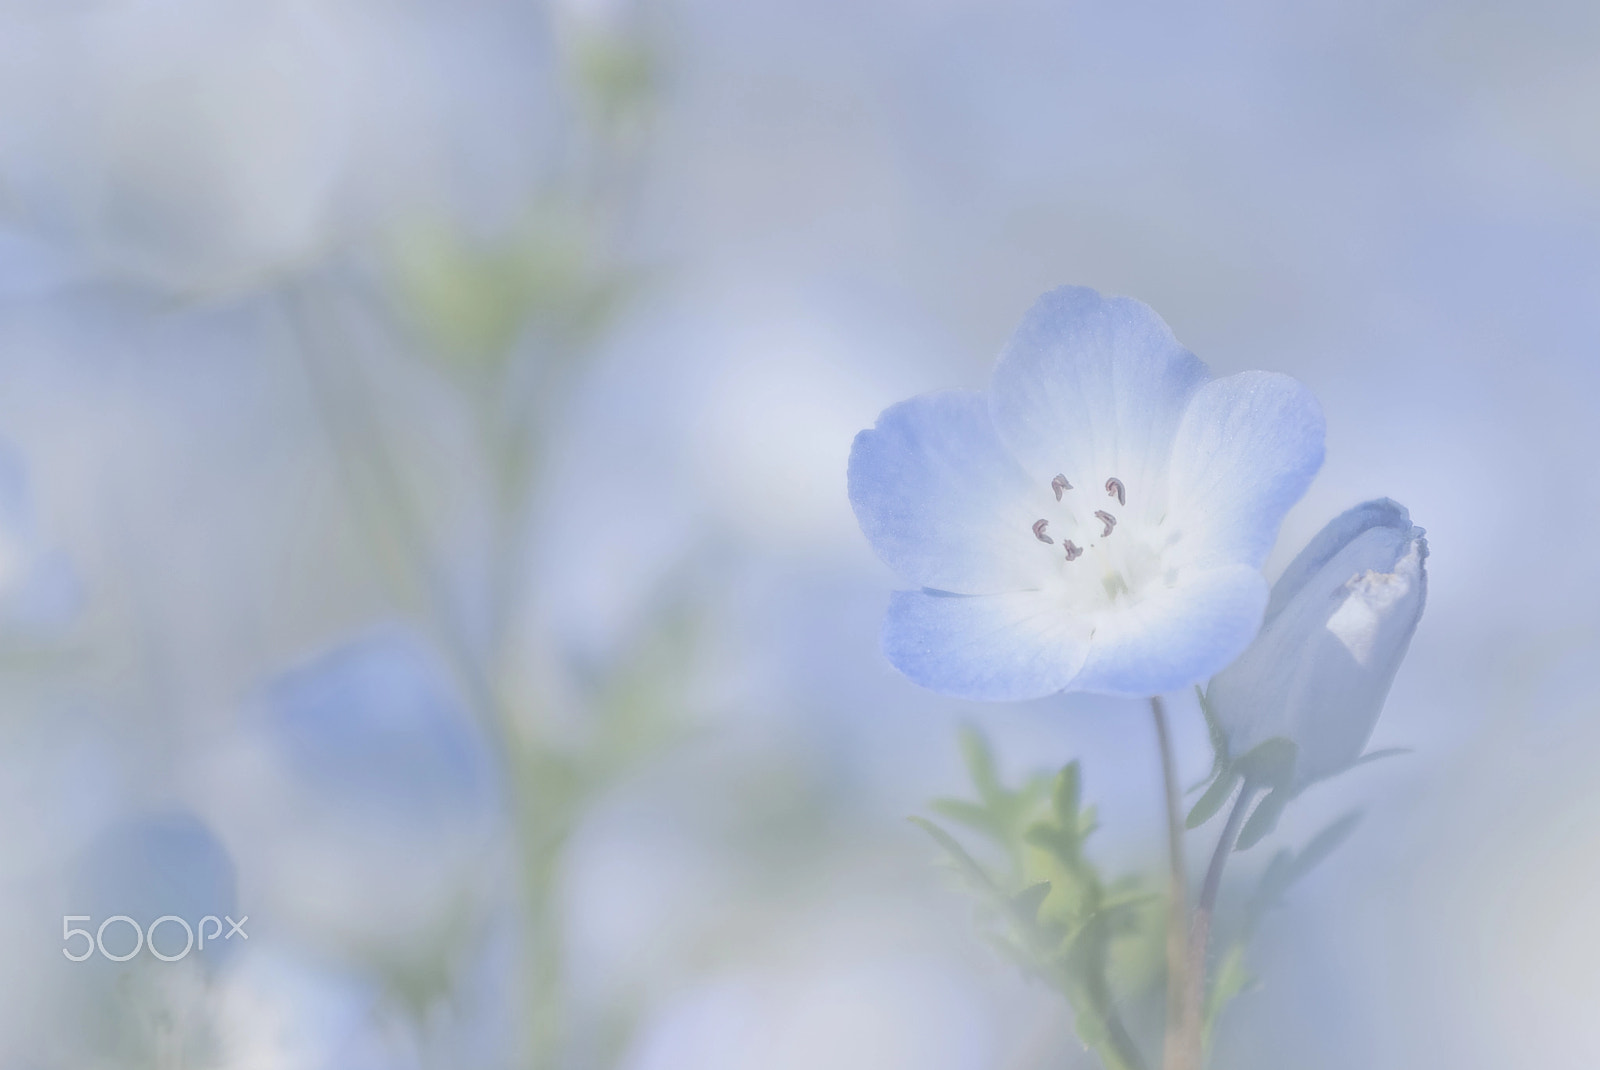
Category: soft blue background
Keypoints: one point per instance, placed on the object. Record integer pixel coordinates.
(838, 205)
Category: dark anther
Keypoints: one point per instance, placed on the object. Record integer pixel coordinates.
(1073, 550)
(1115, 488)
(1107, 519)
(1038, 531)
(1059, 484)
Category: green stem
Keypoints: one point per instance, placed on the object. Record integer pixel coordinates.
(1200, 933)
(357, 441)
(1183, 1010)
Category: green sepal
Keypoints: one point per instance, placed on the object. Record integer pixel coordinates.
(1269, 764)
(1262, 820)
(1219, 736)
(1220, 791)
(1380, 755)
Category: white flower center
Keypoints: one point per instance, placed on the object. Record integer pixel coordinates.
(1103, 552)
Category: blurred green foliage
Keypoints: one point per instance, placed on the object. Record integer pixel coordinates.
(1049, 909)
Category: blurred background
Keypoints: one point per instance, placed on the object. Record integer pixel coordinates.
(423, 529)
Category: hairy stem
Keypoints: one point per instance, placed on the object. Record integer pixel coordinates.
(1183, 1011)
(1219, 857)
(1200, 932)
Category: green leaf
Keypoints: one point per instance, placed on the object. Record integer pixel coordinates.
(1019, 956)
(1060, 842)
(969, 814)
(1066, 795)
(1088, 821)
(964, 862)
(1220, 792)
(1380, 755)
(1027, 902)
(980, 766)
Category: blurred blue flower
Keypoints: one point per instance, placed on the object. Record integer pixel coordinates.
(1337, 627)
(366, 802)
(151, 865)
(1095, 522)
(374, 727)
(39, 591)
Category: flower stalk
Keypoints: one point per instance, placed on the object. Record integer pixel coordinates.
(1183, 1001)
(1200, 926)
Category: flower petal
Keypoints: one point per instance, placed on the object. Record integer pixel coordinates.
(1176, 636)
(1092, 387)
(1002, 647)
(1246, 450)
(943, 502)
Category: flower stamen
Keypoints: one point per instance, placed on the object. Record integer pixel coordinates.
(1059, 484)
(1115, 488)
(1107, 519)
(1038, 531)
(1074, 551)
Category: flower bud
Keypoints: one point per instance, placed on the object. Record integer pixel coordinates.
(1337, 627)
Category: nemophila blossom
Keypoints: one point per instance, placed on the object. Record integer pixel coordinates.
(363, 795)
(1095, 521)
(1337, 627)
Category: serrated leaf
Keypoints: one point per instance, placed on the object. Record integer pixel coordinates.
(1055, 839)
(979, 758)
(1263, 819)
(969, 814)
(1066, 794)
(1027, 902)
(1088, 821)
(965, 863)
(1027, 798)
(1216, 796)
(1022, 958)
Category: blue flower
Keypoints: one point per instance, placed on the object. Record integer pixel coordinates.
(147, 866)
(1096, 521)
(365, 801)
(1338, 625)
(376, 729)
